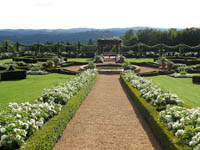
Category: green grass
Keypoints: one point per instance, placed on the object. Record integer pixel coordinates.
(5, 60)
(183, 87)
(28, 89)
(80, 59)
(139, 59)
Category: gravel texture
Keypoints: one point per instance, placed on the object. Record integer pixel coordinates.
(107, 120)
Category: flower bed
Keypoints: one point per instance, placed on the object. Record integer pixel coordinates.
(47, 137)
(178, 75)
(40, 72)
(150, 92)
(184, 123)
(20, 121)
(156, 119)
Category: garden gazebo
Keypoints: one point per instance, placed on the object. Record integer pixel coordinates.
(111, 42)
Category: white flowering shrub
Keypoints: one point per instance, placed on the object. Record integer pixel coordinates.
(20, 121)
(150, 92)
(185, 124)
(62, 93)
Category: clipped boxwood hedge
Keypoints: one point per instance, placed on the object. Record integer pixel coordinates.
(46, 137)
(196, 79)
(166, 138)
(62, 71)
(73, 63)
(155, 73)
(186, 61)
(147, 64)
(27, 59)
(12, 75)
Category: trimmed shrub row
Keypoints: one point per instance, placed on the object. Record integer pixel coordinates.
(196, 79)
(147, 64)
(2, 68)
(73, 63)
(12, 75)
(48, 135)
(166, 138)
(185, 61)
(31, 59)
(155, 73)
(62, 71)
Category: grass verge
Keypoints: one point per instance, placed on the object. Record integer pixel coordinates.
(28, 89)
(5, 61)
(139, 60)
(184, 88)
(80, 59)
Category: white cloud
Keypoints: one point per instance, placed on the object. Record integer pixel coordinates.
(98, 14)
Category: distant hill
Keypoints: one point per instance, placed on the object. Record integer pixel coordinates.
(29, 36)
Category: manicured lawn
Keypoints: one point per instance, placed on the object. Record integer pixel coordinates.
(139, 59)
(5, 60)
(28, 89)
(81, 59)
(183, 87)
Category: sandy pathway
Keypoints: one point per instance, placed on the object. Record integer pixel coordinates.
(107, 120)
(73, 68)
(148, 69)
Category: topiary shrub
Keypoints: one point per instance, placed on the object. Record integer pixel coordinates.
(2, 68)
(11, 68)
(13, 75)
(196, 79)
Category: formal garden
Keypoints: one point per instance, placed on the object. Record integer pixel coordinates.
(42, 86)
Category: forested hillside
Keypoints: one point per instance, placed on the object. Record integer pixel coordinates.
(66, 35)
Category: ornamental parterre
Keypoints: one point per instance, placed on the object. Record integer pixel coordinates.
(20, 121)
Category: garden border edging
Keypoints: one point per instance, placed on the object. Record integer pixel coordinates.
(166, 138)
(48, 135)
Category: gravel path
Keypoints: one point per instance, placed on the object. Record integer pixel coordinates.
(73, 68)
(148, 69)
(107, 120)
(142, 68)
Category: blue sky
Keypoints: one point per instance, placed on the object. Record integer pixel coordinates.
(65, 14)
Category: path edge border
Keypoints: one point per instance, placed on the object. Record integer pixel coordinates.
(166, 138)
(46, 137)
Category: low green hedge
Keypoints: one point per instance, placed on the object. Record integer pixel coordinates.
(155, 73)
(62, 71)
(2, 68)
(194, 71)
(73, 63)
(166, 138)
(12, 75)
(186, 61)
(31, 59)
(196, 79)
(147, 64)
(26, 60)
(67, 64)
(48, 135)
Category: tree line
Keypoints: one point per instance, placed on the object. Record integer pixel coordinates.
(171, 37)
(141, 41)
